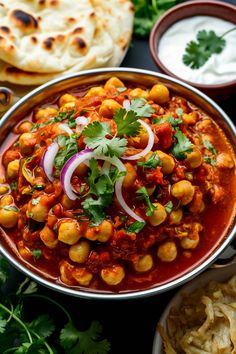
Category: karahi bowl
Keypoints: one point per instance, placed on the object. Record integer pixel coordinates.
(134, 76)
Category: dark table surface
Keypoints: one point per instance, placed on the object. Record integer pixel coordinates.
(129, 325)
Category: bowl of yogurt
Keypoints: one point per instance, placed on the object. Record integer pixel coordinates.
(195, 42)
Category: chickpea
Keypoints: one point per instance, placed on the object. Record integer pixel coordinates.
(176, 216)
(130, 176)
(66, 271)
(80, 251)
(102, 233)
(13, 169)
(66, 202)
(143, 263)
(113, 275)
(8, 217)
(46, 113)
(108, 108)
(138, 92)
(24, 251)
(96, 91)
(168, 163)
(167, 251)
(194, 158)
(224, 160)
(48, 237)
(159, 215)
(69, 106)
(204, 125)
(190, 242)
(66, 98)
(27, 142)
(82, 276)
(4, 189)
(69, 232)
(112, 83)
(24, 127)
(183, 191)
(38, 212)
(159, 94)
(190, 118)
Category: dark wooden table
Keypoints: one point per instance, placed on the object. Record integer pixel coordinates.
(129, 325)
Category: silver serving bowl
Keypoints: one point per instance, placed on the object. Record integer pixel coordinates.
(135, 76)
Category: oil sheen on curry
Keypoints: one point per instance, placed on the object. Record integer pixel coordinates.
(116, 187)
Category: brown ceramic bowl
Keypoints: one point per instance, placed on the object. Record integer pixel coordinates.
(219, 9)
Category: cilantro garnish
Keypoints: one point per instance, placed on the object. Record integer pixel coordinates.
(182, 146)
(141, 107)
(42, 334)
(174, 122)
(169, 207)
(136, 227)
(69, 115)
(9, 207)
(152, 162)
(179, 112)
(13, 185)
(143, 194)
(127, 122)
(209, 146)
(100, 195)
(35, 201)
(96, 138)
(210, 160)
(198, 52)
(68, 147)
(37, 253)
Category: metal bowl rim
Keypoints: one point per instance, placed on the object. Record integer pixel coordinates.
(86, 294)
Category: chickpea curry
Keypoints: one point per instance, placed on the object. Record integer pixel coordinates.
(116, 187)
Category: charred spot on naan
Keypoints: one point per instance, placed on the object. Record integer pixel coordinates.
(5, 29)
(48, 43)
(24, 21)
(79, 45)
(34, 40)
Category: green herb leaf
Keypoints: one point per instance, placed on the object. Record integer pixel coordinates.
(43, 325)
(143, 194)
(141, 107)
(37, 253)
(13, 185)
(9, 207)
(35, 201)
(198, 52)
(68, 147)
(67, 115)
(174, 122)
(95, 137)
(210, 160)
(3, 324)
(179, 112)
(183, 145)
(4, 271)
(169, 207)
(136, 227)
(152, 162)
(209, 146)
(127, 122)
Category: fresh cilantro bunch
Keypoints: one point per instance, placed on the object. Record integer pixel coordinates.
(41, 334)
(100, 195)
(198, 52)
(147, 12)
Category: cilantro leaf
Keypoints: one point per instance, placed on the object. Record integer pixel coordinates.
(136, 227)
(198, 52)
(141, 107)
(67, 115)
(209, 160)
(209, 146)
(86, 342)
(95, 137)
(127, 122)
(174, 122)
(37, 253)
(182, 146)
(4, 271)
(169, 207)
(68, 147)
(3, 324)
(152, 162)
(43, 325)
(9, 207)
(143, 194)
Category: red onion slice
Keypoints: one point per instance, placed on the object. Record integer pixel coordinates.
(149, 144)
(48, 158)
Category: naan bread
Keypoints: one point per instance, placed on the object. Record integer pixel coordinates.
(46, 36)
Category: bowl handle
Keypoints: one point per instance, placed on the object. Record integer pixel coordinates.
(228, 257)
(7, 99)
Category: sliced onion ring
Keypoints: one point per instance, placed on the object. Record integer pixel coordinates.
(149, 144)
(126, 104)
(86, 154)
(48, 158)
(81, 120)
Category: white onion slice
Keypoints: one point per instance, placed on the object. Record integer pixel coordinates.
(149, 144)
(66, 128)
(126, 104)
(81, 120)
(77, 159)
(48, 158)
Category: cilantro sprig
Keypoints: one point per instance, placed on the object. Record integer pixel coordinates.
(141, 107)
(68, 147)
(67, 115)
(135, 227)
(182, 146)
(198, 52)
(152, 162)
(20, 333)
(143, 194)
(126, 122)
(98, 137)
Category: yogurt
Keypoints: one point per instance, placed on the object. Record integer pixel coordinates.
(220, 68)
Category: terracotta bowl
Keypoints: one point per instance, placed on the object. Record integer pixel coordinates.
(218, 9)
